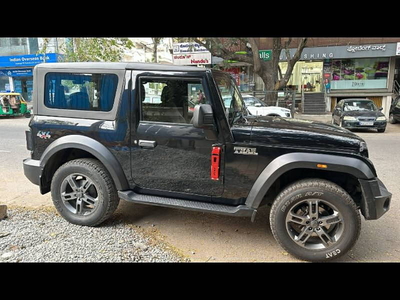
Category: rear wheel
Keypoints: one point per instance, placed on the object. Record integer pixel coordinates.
(83, 192)
(315, 220)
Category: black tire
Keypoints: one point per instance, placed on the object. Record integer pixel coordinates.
(315, 220)
(83, 192)
(381, 130)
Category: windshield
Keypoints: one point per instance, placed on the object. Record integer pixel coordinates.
(235, 109)
(358, 105)
(253, 101)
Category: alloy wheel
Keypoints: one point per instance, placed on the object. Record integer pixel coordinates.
(79, 194)
(314, 224)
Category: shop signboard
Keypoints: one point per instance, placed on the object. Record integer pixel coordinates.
(27, 60)
(350, 51)
(16, 72)
(265, 54)
(180, 48)
(185, 59)
(185, 54)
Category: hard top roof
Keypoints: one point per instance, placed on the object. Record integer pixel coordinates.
(119, 66)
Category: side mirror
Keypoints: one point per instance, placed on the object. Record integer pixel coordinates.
(203, 116)
(257, 105)
(380, 108)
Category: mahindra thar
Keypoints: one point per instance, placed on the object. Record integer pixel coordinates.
(182, 137)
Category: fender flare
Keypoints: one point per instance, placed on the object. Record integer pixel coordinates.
(289, 161)
(93, 147)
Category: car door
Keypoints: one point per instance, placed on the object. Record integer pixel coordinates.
(168, 154)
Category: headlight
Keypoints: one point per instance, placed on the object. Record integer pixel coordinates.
(382, 118)
(349, 118)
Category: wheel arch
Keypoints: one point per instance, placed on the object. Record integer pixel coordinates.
(76, 146)
(345, 167)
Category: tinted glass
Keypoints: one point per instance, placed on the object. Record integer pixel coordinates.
(80, 91)
(358, 105)
(234, 105)
(170, 100)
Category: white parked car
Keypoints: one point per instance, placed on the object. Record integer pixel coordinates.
(258, 108)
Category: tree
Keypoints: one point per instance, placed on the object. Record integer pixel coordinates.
(92, 49)
(269, 71)
(156, 42)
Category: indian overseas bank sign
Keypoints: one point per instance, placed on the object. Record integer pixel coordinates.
(16, 72)
(27, 60)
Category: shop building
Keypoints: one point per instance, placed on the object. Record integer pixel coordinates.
(338, 72)
(18, 57)
(16, 72)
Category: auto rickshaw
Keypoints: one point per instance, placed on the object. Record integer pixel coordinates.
(13, 104)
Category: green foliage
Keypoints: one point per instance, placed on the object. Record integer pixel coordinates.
(93, 49)
(97, 49)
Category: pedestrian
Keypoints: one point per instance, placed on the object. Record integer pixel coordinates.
(200, 97)
(327, 86)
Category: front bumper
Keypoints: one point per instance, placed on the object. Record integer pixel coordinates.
(358, 125)
(375, 198)
(32, 170)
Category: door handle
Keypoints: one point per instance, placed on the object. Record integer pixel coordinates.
(147, 144)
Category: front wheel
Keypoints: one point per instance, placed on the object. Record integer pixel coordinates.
(83, 192)
(315, 220)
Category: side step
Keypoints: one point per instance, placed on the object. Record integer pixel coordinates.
(239, 211)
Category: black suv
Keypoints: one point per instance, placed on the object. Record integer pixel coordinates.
(162, 135)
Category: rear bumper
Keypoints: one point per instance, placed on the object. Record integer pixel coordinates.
(375, 198)
(32, 170)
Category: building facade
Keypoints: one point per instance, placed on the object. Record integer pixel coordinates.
(356, 71)
(18, 57)
(342, 68)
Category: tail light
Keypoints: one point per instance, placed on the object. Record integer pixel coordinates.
(215, 162)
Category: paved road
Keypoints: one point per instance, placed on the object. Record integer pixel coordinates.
(207, 237)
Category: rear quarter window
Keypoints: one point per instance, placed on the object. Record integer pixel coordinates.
(78, 91)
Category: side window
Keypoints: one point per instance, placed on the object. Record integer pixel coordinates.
(170, 100)
(80, 91)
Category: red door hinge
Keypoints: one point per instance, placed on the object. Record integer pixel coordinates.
(215, 162)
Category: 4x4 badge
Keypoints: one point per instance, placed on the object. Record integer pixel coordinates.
(245, 151)
(43, 134)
